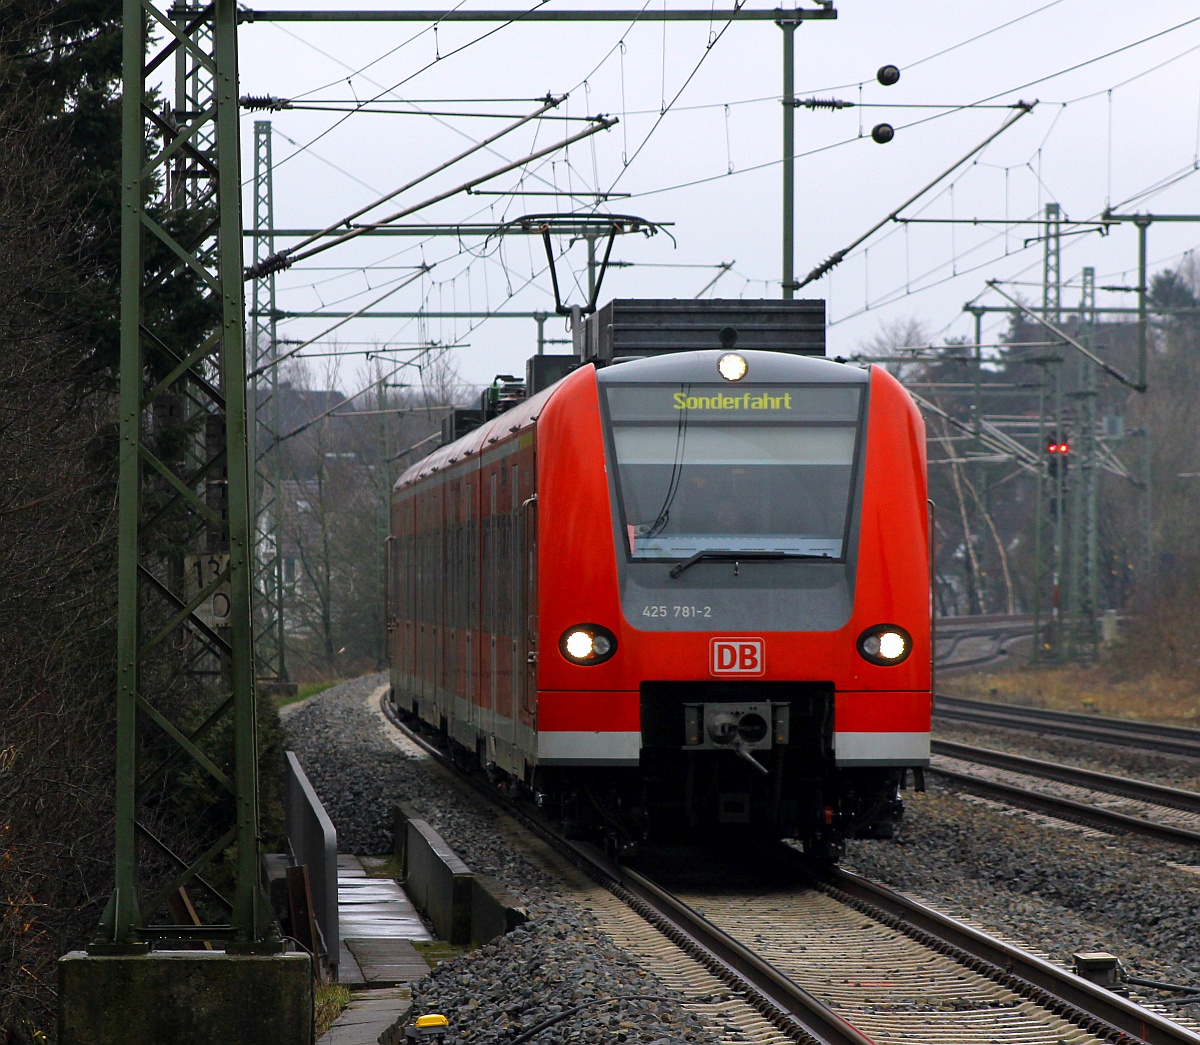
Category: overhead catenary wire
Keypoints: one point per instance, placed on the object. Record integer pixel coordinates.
(547, 103)
(380, 380)
(980, 36)
(464, 114)
(713, 41)
(966, 106)
(894, 295)
(382, 91)
(1091, 61)
(341, 322)
(1024, 108)
(904, 292)
(1108, 368)
(283, 259)
(997, 26)
(428, 65)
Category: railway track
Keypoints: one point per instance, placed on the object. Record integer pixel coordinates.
(1151, 736)
(972, 642)
(1167, 814)
(897, 971)
(833, 959)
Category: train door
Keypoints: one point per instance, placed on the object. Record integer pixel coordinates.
(471, 607)
(440, 630)
(411, 623)
(528, 653)
(450, 636)
(516, 598)
(488, 575)
(503, 629)
(428, 606)
(420, 597)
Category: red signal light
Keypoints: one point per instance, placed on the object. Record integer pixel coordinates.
(1058, 448)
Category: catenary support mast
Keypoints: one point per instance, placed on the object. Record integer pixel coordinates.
(174, 513)
(265, 409)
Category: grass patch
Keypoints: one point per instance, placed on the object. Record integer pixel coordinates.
(1154, 696)
(331, 999)
(304, 691)
(434, 951)
(392, 867)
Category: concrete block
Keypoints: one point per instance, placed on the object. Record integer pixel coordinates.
(494, 910)
(185, 998)
(438, 882)
(402, 813)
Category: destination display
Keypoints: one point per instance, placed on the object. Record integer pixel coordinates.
(762, 403)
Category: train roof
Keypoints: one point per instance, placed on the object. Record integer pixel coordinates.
(522, 415)
(761, 366)
(699, 366)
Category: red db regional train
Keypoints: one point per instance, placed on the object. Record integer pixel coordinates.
(685, 586)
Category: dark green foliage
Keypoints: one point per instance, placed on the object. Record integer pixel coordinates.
(1169, 289)
(59, 266)
(60, 66)
(57, 576)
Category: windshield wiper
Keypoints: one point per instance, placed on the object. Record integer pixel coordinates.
(723, 555)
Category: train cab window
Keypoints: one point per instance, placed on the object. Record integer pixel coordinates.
(767, 469)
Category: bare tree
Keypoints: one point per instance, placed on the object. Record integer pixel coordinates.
(897, 338)
(340, 470)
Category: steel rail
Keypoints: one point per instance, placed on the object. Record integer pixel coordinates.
(787, 1006)
(984, 624)
(792, 1009)
(1001, 638)
(1142, 790)
(811, 1016)
(1176, 740)
(1097, 1010)
(1069, 809)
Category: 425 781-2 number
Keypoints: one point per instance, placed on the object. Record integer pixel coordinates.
(677, 611)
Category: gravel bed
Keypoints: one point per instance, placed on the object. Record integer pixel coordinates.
(1171, 770)
(1102, 801)
(1057, 890)
(558, 974)
(1053, 888)
(558, 962)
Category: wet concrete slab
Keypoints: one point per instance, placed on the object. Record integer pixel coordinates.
(378, 925)
(369, 1016)
(387, 961)
(374, 910)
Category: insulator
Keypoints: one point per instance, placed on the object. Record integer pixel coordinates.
(268, 266)
(824, 103)
(255, 102)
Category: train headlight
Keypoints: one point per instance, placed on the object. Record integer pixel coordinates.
(885, 644)
(587, 644)
(731, 366)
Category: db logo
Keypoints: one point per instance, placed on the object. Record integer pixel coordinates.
(739, 657)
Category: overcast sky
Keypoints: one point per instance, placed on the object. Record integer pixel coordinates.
(1122, 129)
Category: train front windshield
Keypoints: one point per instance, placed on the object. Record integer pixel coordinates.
(767, 468)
